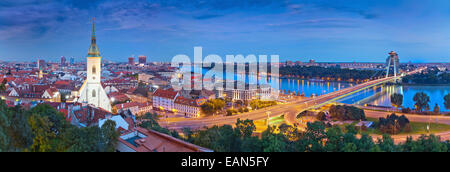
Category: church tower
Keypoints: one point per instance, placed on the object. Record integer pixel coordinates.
(92, 91)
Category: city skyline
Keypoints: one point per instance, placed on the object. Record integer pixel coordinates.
(251, 76)
(298, 30)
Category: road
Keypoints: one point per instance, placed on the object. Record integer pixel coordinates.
(290, 110)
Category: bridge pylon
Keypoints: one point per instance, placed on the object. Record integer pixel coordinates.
(392, 61)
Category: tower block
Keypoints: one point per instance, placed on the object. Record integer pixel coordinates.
(92, 91)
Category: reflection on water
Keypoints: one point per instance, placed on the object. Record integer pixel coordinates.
(307, 87)
(380, 95)
(311, 87)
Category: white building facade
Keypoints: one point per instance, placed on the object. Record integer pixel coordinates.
(164, 99)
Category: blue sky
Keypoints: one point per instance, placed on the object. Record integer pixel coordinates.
(324, 30)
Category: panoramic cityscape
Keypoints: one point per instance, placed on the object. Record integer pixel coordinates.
(194, 76)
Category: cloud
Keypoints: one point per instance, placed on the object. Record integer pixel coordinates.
(317, 23)
(207, 16)
(361, 8)
(31, 19)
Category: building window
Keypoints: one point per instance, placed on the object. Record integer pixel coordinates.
(93, 93)
(94, 70)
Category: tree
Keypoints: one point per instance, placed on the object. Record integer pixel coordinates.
(3, 85)
(273, 142)
(5, 123)
(436, 109)
(245, 127)
(394, 124)
(314, 136)
(447, 101)
(20, 133)
(188, 134)
(251, 144)
(150, 121)
(397, 100)
(230, 112)
(219, 139)
(213, 106)
(334, 141)
(424, 143)
(422, 100)
(321, 116)
(110, 135)
(208, 108)
(289, 131)
(386, 144)
(347, 113)
(41, 127)
(258, 104)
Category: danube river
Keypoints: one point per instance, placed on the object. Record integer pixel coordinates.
(380, 96)
(311, 87)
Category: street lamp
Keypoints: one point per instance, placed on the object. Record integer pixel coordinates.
(395, 126)
(268, 113)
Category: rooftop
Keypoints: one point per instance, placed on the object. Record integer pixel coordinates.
(143, 140)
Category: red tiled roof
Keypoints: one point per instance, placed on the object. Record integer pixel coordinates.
(84, 115)
(169, 93)
(144, 105)
(159, 142)
(131, 90)
(22, 72)
(40, 88)
(62, 82)
(127, 105)
(119, 97)
(185, 101)
(8, 79)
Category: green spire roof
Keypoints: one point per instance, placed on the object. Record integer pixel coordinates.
(93, 49)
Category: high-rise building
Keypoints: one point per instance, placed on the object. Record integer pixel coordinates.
(92, 92)
(63, 61)
(40, 64)
(142, 59)
(131, 60)
(72, 61)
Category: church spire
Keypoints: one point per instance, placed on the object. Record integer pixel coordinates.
(93, 49)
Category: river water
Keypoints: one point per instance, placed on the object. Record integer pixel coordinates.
(312, 87)
(380, 95)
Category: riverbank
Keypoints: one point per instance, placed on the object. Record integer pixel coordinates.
(418, 85)
(321, 80)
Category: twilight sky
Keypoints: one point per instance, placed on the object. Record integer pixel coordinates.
(324, 30)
